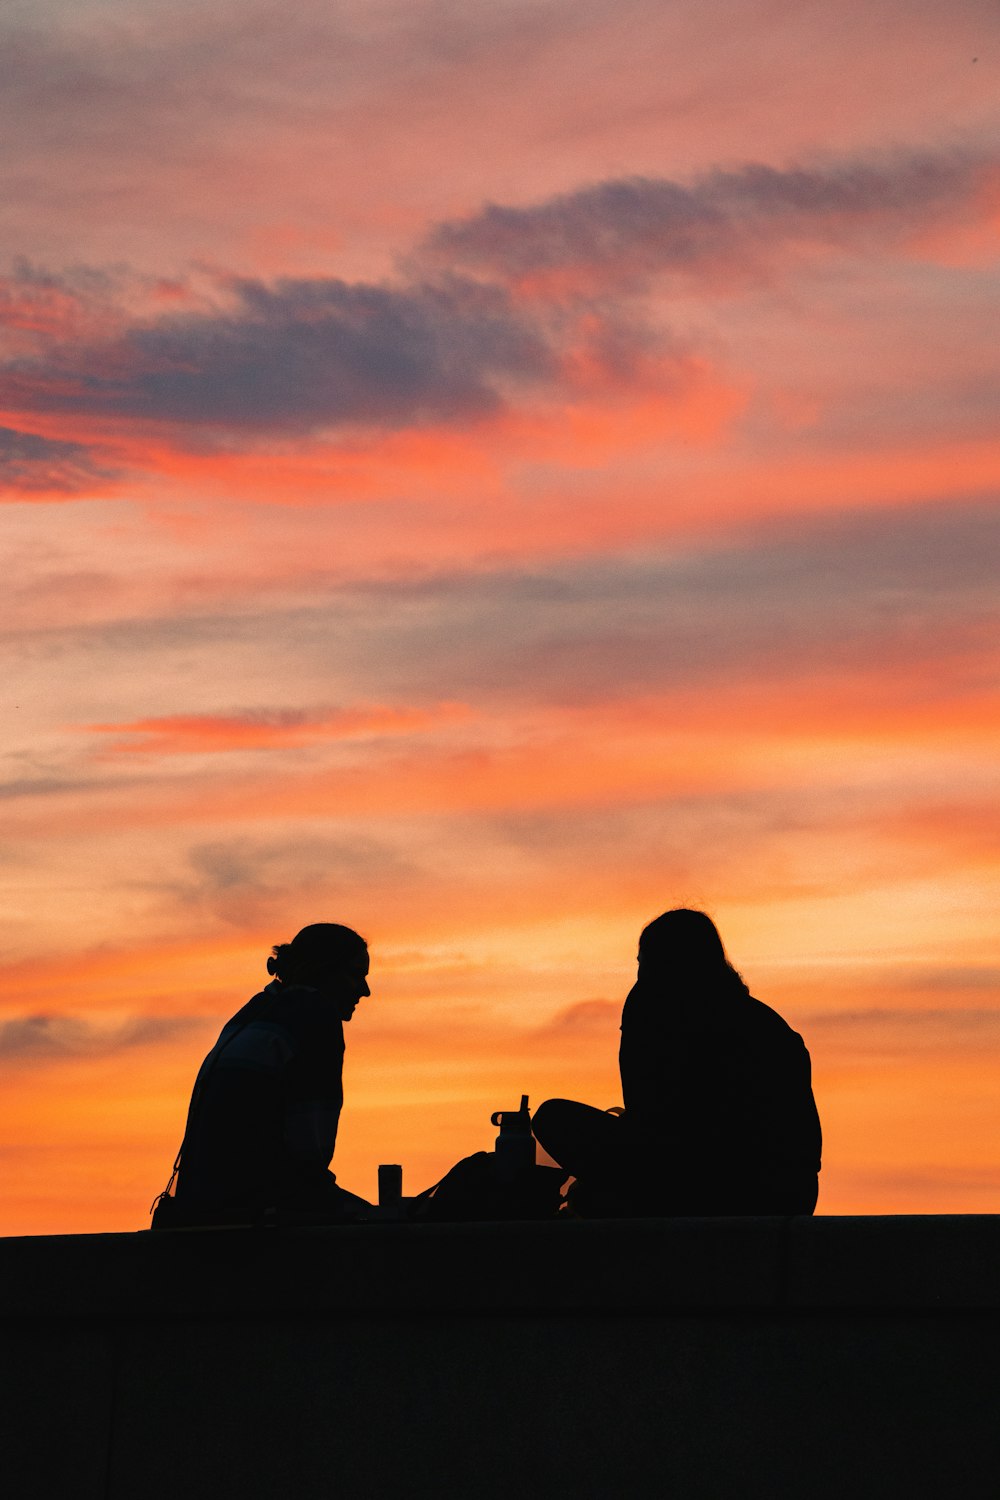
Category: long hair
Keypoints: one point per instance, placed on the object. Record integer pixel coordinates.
(683, 947)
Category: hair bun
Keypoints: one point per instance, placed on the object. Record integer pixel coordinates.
(272, 965)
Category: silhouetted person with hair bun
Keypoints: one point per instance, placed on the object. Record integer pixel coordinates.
(719, 1112)
(262, 1124)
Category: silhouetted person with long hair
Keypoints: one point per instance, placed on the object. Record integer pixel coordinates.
(719, 1111)
(262, 1124)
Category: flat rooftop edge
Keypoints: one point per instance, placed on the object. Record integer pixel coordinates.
(877, 1263)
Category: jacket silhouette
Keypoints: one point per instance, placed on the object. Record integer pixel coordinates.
(719, 1113)
(718, 1093)
(262, 1123)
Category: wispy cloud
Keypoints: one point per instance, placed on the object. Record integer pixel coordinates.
(298, 356)
(918, 582)
(453, 339)
(33, 465)
(50, 1036)
(584, 1018)
(276, 729)
(249, 883)
(39, 307)
(727, 224)
(927, 1025)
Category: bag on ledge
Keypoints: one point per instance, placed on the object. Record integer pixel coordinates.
(475, 1191)
(165, 1213)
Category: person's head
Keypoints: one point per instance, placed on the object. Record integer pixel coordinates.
(683, 944)
(328, 957)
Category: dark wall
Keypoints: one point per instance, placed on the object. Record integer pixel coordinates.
(799, 1358)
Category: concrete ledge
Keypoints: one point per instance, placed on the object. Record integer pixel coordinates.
(764, 1359)
(918, 1262)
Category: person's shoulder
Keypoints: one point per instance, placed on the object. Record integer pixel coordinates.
(255, 1009)
(767, 1021)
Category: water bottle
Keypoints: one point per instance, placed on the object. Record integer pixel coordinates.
(515, 1144)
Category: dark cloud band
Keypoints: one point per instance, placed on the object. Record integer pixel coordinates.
(641, 226)
(455, 339)
(30, 464)
(298, 356)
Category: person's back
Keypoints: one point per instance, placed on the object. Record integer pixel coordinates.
(265, 1108)
(720, 1087)
(719, 1114)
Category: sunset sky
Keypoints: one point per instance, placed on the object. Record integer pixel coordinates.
(488, 474)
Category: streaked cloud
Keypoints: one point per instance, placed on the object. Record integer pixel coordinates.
(262, 729)
(585, 1017)
(35, 465)
(919, 582)
(302, 356)
(723, 228)
(51, 1036)
(298, 354)
(298, 357)
(246, 882)
(898, 1029)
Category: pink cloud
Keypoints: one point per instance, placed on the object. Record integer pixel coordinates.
(200, 734)
(501, 310)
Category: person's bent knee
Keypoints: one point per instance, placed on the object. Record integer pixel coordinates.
(547, 1120)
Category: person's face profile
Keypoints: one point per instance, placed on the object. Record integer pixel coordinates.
(347, 985)
(343, 983)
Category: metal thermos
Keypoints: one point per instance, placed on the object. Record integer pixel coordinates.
(515, 1144)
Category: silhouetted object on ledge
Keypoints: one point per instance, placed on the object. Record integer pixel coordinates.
(502, 1184)
(514, 1152)
(719, 1112)
(390, 1191)
(262, 1123)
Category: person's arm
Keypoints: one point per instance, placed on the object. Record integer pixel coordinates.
(645, 1061)
(314, 1093)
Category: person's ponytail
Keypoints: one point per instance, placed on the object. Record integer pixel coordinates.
(279, 959)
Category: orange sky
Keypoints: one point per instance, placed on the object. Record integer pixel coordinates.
(487, 475)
